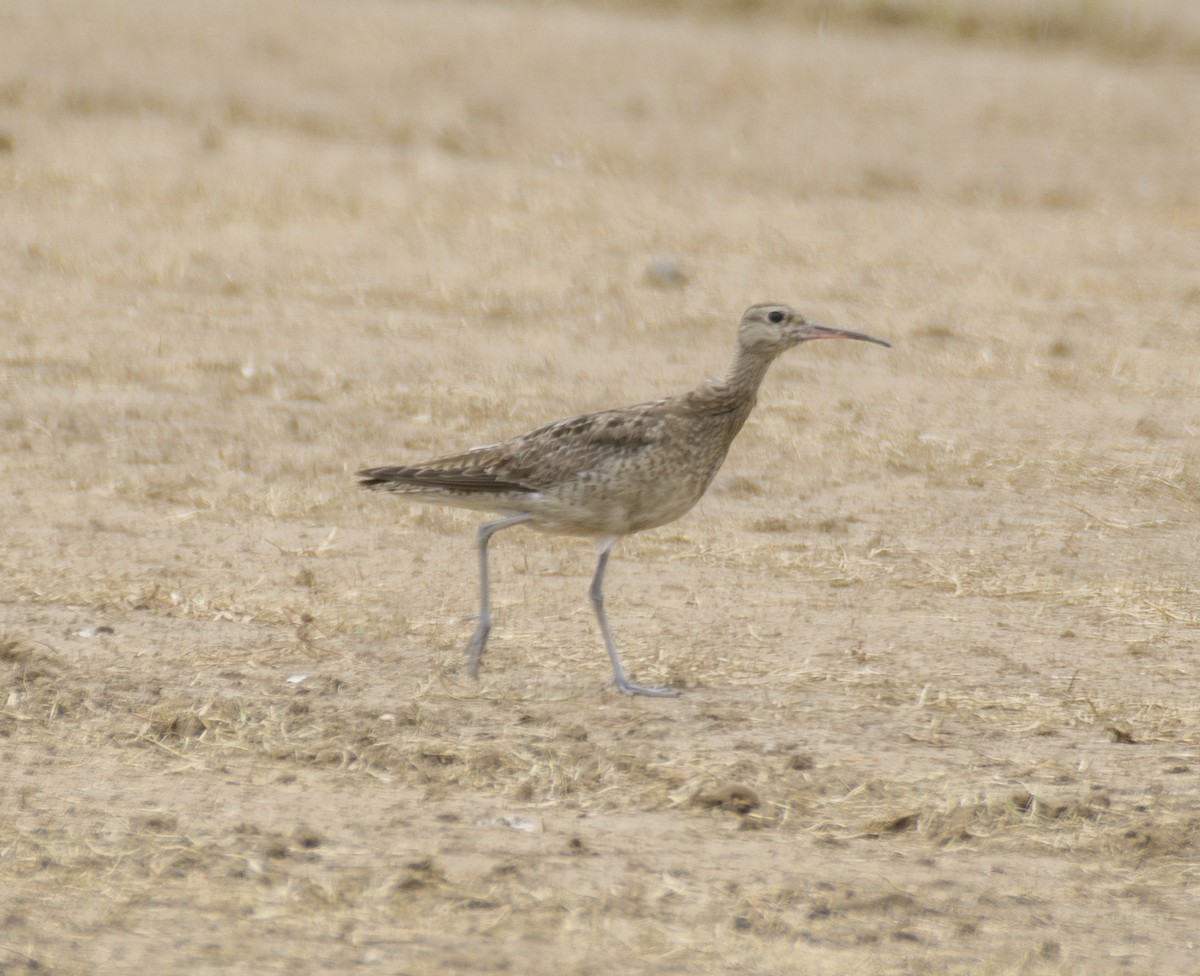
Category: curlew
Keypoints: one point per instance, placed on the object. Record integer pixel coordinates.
(609, 474)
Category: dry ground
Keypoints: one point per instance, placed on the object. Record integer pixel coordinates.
(935, 624)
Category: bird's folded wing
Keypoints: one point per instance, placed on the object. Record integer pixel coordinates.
(536, 461)
(460, 472)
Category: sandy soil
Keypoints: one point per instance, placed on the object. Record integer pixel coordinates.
(935, 624)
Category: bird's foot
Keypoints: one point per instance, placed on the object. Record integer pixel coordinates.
(625, 686)
(475, 648)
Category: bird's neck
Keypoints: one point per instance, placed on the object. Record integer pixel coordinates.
(746, 374)
(736, 394)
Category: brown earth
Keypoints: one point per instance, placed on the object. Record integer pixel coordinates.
(935, 623)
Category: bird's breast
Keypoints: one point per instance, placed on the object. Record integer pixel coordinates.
(620, 499)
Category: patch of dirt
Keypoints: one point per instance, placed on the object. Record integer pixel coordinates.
(934, 623)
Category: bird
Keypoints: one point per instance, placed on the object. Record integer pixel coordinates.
(608, 474)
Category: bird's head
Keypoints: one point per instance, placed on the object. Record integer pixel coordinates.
(773, 328)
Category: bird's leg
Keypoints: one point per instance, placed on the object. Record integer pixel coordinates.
(596, 592)
(478, 643)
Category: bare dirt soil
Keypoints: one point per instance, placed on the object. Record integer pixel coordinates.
(935, 624)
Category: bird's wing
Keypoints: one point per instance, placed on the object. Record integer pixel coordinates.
(535, 461)
(455, 473)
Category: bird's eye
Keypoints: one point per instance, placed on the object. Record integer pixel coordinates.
(776, 316)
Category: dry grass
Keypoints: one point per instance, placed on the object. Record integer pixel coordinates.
(1156, 28)
(935, 622)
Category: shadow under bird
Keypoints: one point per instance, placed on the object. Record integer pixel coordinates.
(608, 474)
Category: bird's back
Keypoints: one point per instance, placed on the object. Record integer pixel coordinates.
(599, 474)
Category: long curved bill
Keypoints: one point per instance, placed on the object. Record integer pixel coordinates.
(813, 331)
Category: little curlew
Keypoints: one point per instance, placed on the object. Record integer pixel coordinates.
(609, 474)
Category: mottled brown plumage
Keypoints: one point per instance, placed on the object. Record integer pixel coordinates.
(608, 474)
